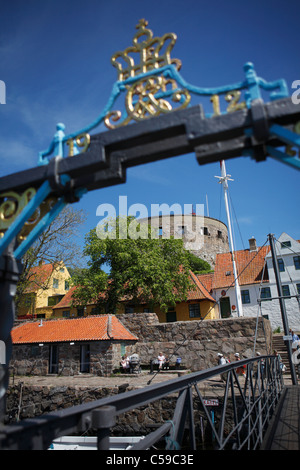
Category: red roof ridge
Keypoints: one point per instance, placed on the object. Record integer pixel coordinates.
(250, 266)
(91, 328)
(201, 287)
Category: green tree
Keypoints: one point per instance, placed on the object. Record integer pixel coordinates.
(55, 245)
(141, 267)
(198, 265)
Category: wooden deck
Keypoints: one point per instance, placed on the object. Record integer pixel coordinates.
(284, 429)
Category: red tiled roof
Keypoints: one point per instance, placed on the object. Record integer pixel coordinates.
(206, 280)
(102, 327)
(250, 266)
(37, 276)
(200, 292)
(66, 300)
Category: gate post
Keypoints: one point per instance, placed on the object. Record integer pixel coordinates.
(103, 419)
(10, 270)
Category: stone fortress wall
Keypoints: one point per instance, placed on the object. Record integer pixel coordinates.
(203, 236)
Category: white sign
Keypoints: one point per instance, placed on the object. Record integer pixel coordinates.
(211, 402)
(287, 338)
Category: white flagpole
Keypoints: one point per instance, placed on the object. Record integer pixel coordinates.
(224, 178)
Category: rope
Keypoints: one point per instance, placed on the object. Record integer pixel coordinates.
(236, 220)
(174, 445)
(259, 310)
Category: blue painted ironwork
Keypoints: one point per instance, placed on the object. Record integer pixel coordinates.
(246, 405)
(43, 224)
(252, 85)
(26, 213)
(159, 78)
(288, 156)
(32, 206)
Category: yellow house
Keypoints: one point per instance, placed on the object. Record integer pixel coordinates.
(199, 304)
(47, 285)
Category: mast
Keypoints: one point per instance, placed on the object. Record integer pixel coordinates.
(207, 206)
(224, 178)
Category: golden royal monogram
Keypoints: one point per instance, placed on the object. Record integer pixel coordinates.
(148, 91)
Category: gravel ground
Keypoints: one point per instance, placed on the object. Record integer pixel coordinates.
(134, 380)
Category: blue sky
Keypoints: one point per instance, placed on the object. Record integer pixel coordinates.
(55, 62)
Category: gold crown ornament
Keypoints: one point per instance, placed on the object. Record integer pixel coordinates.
(144, 71)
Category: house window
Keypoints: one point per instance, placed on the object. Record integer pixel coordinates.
(286, 291)
(54, 299)
(95, 311)
(51, 301)
(35, 350)
(66, 313)
(297, 262)
(194, 310)
(146, 310)
(298, 288)
(123, 349)
(85, 358)
(171, 316)
(129, 309)
(205, 231)
(53, 359)
(28, 301)
(265, 293)
(219, 234)
(55, 283)
(245, 297)
(62, 270)
(280, 265)
(285, 244)
(80, 312)
(67, 285)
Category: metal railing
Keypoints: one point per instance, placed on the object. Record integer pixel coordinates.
(247, 404)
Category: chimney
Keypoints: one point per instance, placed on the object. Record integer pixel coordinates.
(252, 244)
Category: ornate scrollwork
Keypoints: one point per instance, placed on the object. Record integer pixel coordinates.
(12, 204)
(42, 210)
(147, 94)
(152, 52)
(148, 97)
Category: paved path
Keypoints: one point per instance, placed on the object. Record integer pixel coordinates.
(132, 381)
(283, 432)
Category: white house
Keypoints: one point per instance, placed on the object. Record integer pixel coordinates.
(257, 282)
(288, 259)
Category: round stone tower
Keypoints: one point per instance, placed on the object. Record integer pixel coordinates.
(203, 236)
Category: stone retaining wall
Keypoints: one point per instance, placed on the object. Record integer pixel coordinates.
(25, 401)
(198, 342)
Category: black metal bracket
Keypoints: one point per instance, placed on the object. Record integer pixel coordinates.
(247, 132)
(241, 133)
